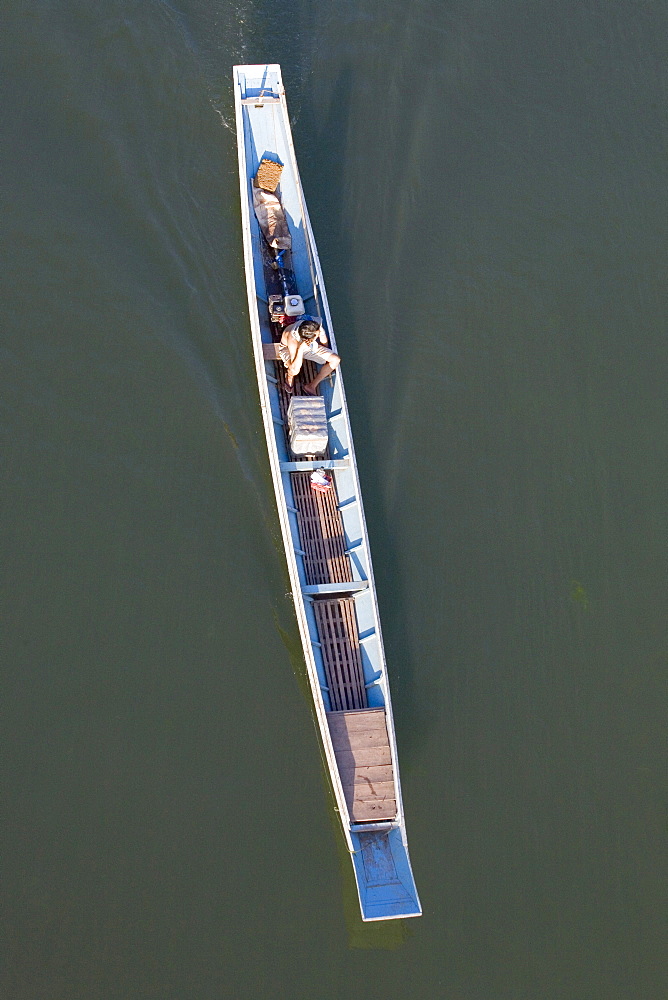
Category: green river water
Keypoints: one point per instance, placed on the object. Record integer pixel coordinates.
(487, 184)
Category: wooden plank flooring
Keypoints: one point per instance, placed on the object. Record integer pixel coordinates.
(320, 524)
(362, 750)
(320, 532)
(359, 734)
(337, 631)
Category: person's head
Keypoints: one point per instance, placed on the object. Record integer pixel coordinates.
(308, 329)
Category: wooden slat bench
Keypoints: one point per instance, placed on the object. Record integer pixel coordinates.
(362, 750)
(270, 351)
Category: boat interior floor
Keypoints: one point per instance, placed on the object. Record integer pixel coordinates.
(359, 732)
(337, 632)
(363, 755)
(320, 532)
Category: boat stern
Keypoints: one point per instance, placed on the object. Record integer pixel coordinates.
(385, 882)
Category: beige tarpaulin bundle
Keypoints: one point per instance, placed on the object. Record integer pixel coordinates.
(271, 217)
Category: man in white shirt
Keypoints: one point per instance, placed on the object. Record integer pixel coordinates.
(305, 339)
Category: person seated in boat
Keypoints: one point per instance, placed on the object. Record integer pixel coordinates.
(303, 340)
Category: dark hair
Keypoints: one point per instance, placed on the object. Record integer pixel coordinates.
(308, 329)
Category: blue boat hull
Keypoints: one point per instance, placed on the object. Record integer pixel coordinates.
(358, 739)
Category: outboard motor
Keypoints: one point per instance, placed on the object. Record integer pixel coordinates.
(290, 303)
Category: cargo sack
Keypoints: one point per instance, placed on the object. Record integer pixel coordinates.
(307, 425)
(271, 217)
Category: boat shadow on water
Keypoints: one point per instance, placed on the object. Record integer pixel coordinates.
(327, 120)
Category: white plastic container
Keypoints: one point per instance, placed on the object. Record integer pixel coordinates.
(293, 305)
(307, 425)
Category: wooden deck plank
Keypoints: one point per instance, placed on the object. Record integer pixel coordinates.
(361, 747)
(348, 759)
(368, 811)
(359, 738)
(377, 791)
(365, 718)
(364, 774)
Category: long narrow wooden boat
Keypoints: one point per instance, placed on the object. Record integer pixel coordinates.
(324, 532)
